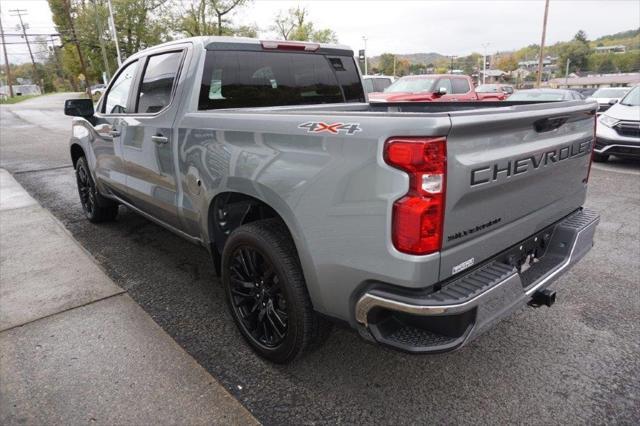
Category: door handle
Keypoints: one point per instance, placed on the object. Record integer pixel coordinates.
(114, 133)
(160, 140)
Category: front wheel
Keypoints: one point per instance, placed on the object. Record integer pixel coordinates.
(266, 291)
(96, 208)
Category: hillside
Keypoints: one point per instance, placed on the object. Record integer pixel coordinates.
(413, 58)
(630, 39)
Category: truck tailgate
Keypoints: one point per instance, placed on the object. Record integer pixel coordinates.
(510, 173)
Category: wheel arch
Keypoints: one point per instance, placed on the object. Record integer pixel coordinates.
(76, 152)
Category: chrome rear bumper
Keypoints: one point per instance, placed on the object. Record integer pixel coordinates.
(482, 296)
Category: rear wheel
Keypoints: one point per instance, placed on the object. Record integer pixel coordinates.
(266, 291)
(600, 158)
(96, 207)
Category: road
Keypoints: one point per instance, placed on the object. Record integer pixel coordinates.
(577, 362)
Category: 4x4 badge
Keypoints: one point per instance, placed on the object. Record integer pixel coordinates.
(333, 128)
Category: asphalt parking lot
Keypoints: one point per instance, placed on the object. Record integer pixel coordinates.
(577, 362)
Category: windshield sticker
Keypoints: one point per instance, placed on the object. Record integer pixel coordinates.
(334, 128)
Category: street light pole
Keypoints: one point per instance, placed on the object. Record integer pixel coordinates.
(365, 55)
(544, 33)
(484, 62)
(113, 31)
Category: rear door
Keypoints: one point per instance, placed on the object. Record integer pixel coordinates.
(510, 173)
(148, 140)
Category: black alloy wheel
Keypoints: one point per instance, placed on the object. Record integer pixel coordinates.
(267, 293)
(257, 297)
(96, 207)
(86, 189)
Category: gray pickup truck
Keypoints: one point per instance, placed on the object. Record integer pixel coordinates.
(418, 224)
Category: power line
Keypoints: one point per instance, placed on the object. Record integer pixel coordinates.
(19, 13)
(6, 60)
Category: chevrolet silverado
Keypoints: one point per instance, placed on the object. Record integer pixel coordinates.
(420, 225)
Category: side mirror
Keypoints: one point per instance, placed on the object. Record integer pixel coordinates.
(441, 91)
(613, 101)
(79, 108)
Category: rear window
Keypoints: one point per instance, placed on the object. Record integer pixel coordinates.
(260, 79)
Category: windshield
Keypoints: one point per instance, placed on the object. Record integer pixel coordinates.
(411, 85)
(487, 88)
(632, 98)
(610, 93)
(525, 95)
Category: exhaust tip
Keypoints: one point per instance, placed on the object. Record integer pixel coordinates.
(544, 297)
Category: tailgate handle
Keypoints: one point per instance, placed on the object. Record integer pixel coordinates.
(550, 123)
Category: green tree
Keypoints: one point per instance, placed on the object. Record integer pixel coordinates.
(607, 66)
(577, 51)
(386, 63)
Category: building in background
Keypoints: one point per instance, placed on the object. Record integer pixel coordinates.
(619, 48)
(596, 81)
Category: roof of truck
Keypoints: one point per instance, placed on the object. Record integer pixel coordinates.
(223, 43)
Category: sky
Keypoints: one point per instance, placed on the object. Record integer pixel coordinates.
(455, 27)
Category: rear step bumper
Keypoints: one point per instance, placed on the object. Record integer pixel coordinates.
(468, 305)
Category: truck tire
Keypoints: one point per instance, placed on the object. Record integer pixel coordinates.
(96, 207)
(266, 291)
(600, 158)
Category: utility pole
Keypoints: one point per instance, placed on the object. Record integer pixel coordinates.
(113, 31)
(19, 13)
(365, 55)
(67, 9)
(566, 74)
(544, 34)
(6, 59)
(394, 65)
(102, 47)
(452, 58)
(484, 62)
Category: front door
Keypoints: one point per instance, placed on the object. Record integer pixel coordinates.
(107, 143)
(148, 140)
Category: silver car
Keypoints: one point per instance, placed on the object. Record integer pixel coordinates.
(608, 96)
(618, 129)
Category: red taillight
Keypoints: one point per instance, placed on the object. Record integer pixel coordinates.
(419, 215)
(290, 45)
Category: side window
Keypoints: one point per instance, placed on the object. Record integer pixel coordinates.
(446, 83)
(380, 84)
(460, 85)
(157, 82)
(116, 101)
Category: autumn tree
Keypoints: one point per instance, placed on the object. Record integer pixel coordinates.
(507, 62)
(295, 25)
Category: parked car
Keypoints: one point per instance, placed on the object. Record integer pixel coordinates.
(618, 129)
(433, 88)
(419, 225)
(585, 91)
(495, 88)
(608, 96)
(98, 89)
(376, 83)
(546, 95)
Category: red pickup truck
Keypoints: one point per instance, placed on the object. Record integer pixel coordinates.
(433, 88)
